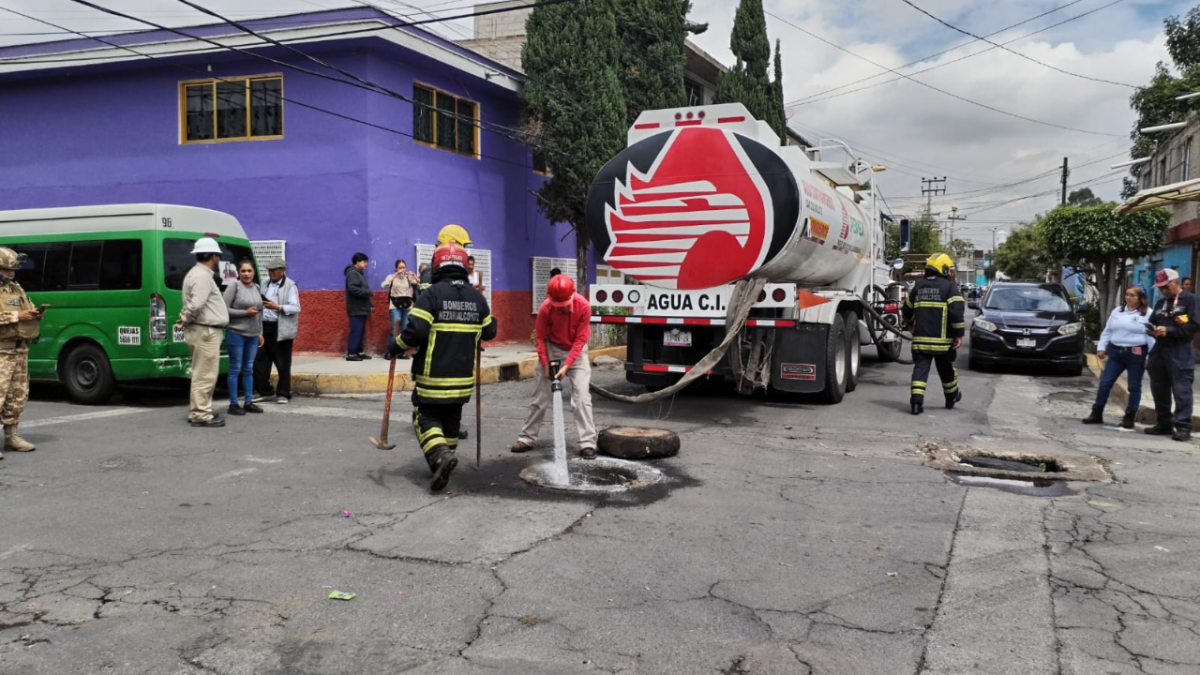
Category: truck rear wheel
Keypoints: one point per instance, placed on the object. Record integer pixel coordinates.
(853, 351)
(837, 362)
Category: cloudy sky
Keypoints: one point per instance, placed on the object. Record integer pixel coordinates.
(995, 124)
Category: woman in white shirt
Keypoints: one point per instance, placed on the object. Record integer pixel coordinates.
(1125, 344)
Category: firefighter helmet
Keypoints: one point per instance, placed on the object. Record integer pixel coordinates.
(449, 255)
(454, 233)
(10, 259)
(940, 263)
(561, 290)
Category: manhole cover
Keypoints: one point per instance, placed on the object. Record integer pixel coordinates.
(602, 475)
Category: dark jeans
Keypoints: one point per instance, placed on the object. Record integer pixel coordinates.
(1120, 360)
(277, 353)
(400, 315)
(358, 329)
(242, 350)
(1172, 370)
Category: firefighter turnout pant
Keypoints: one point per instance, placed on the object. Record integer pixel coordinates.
(946, 372)
(437, 428)
(1172, 369)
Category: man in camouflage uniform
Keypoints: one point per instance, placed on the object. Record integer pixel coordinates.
(18, 325)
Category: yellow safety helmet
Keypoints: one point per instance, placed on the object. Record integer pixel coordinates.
(940, 263)
(454, 233)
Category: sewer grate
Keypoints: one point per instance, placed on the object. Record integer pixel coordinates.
(510, 372)
(1046, 465)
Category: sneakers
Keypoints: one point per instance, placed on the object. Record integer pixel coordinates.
(1096, 417)
(442, 470)
(587, 453)
(282, 400)
(354, 357)
(520, 448)
(253, 408)
(364, 357)
(235, 409)
(214, 421)
(951, 401)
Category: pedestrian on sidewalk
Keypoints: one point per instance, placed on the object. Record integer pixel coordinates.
(203, 319)
(402, 290)
(474, 278)
(1124, 345)
(1189, 285)
(358, 306)
(243, 337)
(1172, 362)
(445, 329)
(20, 322)
(281, 324)
(562, 333)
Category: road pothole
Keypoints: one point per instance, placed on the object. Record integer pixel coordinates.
(601, 475)
(1020, 472)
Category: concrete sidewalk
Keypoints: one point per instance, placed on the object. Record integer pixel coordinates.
(1120, 392)
(324, 375)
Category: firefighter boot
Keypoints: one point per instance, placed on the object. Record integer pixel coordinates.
(1127, 421)
(14, 442)
(442, 467)
(1097, 416)
(918, 405)
(954, 399)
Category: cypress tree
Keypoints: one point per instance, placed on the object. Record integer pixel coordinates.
(574, 107)
(654, 33)
(749, 82)
(778, 118)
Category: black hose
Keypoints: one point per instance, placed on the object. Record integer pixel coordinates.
(887, 326)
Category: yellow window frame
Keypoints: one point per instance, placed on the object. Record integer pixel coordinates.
(433, 115)
(212, 82)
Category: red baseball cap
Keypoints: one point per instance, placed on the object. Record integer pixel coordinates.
(1164, 277)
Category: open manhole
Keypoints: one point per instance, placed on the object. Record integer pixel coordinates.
(600, 475)
(1038, 465)
(1029, 473)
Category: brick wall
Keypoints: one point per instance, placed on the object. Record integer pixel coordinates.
(324, 325)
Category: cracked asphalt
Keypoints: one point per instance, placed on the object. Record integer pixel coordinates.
(790, 538)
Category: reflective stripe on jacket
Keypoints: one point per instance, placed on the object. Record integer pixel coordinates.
(446, 325)
(935, 308)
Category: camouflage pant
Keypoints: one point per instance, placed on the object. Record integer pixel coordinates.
(14, 384)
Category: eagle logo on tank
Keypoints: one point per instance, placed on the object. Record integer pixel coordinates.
(692, 208)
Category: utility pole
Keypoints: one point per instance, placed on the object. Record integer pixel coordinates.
(953, 217)
(1065, 173)
(930, 187)
(993, 279)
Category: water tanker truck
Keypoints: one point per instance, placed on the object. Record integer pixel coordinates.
(702, 198)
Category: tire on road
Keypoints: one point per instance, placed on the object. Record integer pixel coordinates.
(853, 351)
(638, 443)
(837, 362)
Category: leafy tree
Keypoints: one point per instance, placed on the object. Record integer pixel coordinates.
(923, 239)
(1083, 197)
(1099, 242)
(573, 105)
(749, 81)
(1023, 254)
(962, 249)
(1183, 38)
(1155, 103)
(653, 35)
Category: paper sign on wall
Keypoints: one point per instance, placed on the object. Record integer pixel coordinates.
(129, 335)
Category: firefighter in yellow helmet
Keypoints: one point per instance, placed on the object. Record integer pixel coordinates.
(19, 323)
(934, 308)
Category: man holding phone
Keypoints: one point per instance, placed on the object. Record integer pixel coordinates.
(19, 324)
(1172, 362)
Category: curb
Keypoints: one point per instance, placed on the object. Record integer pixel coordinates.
(1120, 391)
(309, 384)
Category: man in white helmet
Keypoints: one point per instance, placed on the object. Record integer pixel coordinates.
(18, 325)
(203, 319)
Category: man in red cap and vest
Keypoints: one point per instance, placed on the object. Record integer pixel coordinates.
(445, 328)
(564, 326)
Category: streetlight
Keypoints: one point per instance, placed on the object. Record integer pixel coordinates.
(1132, 162)
(1185, 97)
(1164, 127)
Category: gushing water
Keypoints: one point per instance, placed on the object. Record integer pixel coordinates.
(557, 472)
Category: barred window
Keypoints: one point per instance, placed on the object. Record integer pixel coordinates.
(232, 109)
(445, 121)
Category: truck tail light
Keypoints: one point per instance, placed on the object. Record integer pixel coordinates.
(618, 296)
(158, 317)
(778, 295)
(601, 296)
(891, 308)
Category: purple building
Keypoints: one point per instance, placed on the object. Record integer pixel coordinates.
(321, 164)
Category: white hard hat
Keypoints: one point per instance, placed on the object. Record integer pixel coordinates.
(206, 245)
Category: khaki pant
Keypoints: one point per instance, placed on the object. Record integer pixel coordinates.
(579, 375)
(205, 344)
(14, 384)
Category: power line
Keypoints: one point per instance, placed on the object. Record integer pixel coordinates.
(808, 100)
(910, 3)
(942, 91)
(944, 51)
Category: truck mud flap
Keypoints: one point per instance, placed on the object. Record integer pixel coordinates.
(799, 361)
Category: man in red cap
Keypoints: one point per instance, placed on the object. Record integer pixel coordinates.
(563, 330)
(445, 328)
(1172, 363)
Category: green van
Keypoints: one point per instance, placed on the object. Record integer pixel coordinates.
(112, 276)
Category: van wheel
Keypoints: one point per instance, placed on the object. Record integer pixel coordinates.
(837, 362)
(88, 375)
(853, 351)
